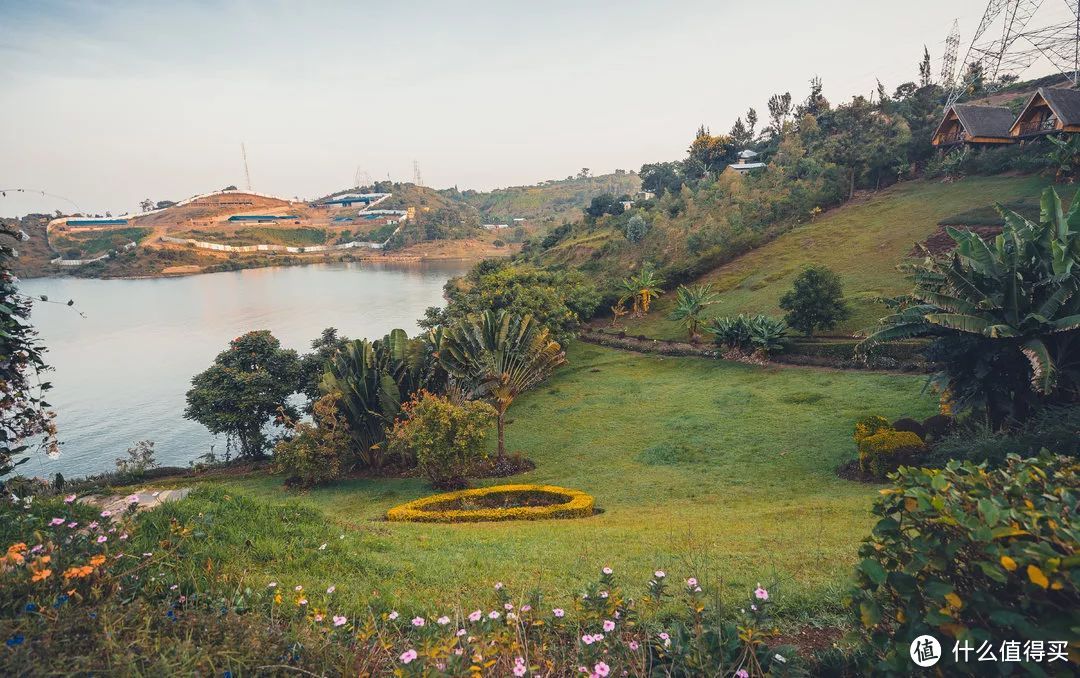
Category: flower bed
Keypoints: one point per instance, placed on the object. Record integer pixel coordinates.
(501, 502)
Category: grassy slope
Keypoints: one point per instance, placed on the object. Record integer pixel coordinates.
(862, 242)
(549, 203)
(711, 468)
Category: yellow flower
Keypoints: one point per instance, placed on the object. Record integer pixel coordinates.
(1008, 563)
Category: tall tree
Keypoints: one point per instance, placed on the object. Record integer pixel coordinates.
(499, 356)
(925, 76)
(779, 110)
(708, 153)
(751, 122)
(815, 103)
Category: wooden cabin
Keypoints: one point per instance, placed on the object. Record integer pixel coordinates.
(970, 124)
(1047, 111)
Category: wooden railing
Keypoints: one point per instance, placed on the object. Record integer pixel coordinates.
(1038, 126)
(953, 137)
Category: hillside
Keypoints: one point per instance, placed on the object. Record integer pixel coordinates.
(548, 202)
(863, 241)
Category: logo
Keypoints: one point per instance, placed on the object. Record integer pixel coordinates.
(925, 651)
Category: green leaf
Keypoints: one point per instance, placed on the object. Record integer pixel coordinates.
(872, 569)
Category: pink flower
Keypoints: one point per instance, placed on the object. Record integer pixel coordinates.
(302, 601)
(68, 499)
(691, 582)
(475, 615)
(520, 670)
(607, 570)
(633, 646)
(587, 639)
(56, 521)
(460, 633)
(609, 626)
(73, 525)
(393, 615)
(123, 536)
(659, 574)
(443, 620)
(37, 549)
(493, 615)
(106, 513)
(331, 589)
(598, 637)
(133, 499)
(742, 673)
(526, 608)
(508, 606)
(339, 620)
(318, 617)
(93, 525)
(498, 585)
(558, 612)
(407, 656)
(102, 539)
(664, 635)
(601, 669)
(418, 622)
(760, 593)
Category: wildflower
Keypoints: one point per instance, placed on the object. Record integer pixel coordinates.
(106, 513)
(68, 499)
(16, 639)
(760, 593)
(123, 536)
(664, 635)
(609, 626)
(40, 575)
(493, 615)
(511, 615)
(56, 521)
(558, 612)
(331, 589)
(458, 651)
(174, 587)
(607, 570)
(339, 620)
(526, 608)
(697, 589)
(780, 658)
(520, 669)
(298, 588)
(443, 620)
(318, 617)
(754, 608)
(418, 622)
(742, 673)
(77, 572)
(150, 555)
(659, 574)
(460, 632)
(407, 656)
(601, 669)
(393, 615)
(323, 547)
(97, 560)
(498, 585)
(269, 586)
(633, 646)
(72, 525)
(598, 637)
(508, 606)
(587, 639)
(133, 499)
(475, 615)
(31, 607)
(93, 525)
(102, 539)
(182, 599)
(277, 599)
(691, 582)
(38, 548)
(603, 594)
(302, 601)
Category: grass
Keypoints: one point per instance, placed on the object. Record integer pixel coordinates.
(92, 243)
(863, 242)
(262, 235)
(715, 469)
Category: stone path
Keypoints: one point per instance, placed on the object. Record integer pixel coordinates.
(148, 499)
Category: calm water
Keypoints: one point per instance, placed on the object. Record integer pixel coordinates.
(122, 371)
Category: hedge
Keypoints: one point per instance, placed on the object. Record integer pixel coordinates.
(577, 505)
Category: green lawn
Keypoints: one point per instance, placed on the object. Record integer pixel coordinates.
(863, 242)
(86, 244)
(701, 467)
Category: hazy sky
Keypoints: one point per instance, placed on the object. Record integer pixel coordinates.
(107, 103)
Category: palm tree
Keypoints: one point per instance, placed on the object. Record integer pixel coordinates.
(498, 357)
(690, 303)
(629, 292)
(646, 286)
(1006, 314)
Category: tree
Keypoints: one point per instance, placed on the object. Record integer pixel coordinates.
(313, 365)
(815, 103)
(690, 303)
(248, 384)
(24, 413)
(751, 122)
(146, 205)
(318, 452)
(866, 141)
(636, 228)
(740, 135)
(605, 203)
(646, 286)
(498, 357)
(1005, 315)
(585, 173)
(815, 301)
(708, 153)
(926, 77)
(661, 177)
(779, 110)
(445, 437)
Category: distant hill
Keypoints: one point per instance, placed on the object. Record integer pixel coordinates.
(549, 202)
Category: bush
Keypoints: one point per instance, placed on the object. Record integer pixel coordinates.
(140, 459)
(911, 425)
(886, 450)
(868, 426)
(444, 437)
(971, 554)
(1053, 428)
(749, 333)
(937, 426)
(317, 453)
(815, 301)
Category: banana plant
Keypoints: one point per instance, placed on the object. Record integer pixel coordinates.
(690, 303)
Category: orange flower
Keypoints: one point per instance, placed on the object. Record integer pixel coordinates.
(39, 575)
(78, 572)
(97, 560)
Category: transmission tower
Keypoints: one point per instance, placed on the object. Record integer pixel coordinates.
(417, 178)
(948, 59)
(361, 178)
(1060, 43)
(998, 57)
(247, 172)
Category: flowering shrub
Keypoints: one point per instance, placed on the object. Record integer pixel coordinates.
(536, 502)
(886, 450)
(318, 452)
(971, 554)
(868, 426)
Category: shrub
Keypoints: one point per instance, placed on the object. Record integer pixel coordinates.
(500, 502)
(1054, 428)
(140, 459)
(937, 426)
(886, 450)
(749, 333)
(444, 437)
(815, 301)
(868, 426)
(909, 424)
(971, 554)
(317, 453)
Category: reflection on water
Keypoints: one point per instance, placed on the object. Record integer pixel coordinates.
(122, 371)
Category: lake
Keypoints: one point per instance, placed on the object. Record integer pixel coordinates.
(122, 371)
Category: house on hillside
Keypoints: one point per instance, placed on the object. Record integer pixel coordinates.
(746, 162)
(1048, 110)
(970, 124)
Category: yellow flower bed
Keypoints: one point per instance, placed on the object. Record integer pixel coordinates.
(577, 504)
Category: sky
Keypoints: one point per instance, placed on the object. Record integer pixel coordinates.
(104, 103)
